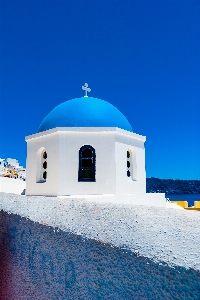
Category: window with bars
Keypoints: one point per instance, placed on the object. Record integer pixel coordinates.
(128, 163)
(41, 166)
(131, 164)
(44, 165)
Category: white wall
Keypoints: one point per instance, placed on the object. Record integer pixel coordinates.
(62, 146)
(69, 145)
(125, 184)
(11, 185)
(51, 144)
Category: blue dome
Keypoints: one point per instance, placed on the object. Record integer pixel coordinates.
(85, 112)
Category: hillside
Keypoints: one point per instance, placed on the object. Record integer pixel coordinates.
(171, 186)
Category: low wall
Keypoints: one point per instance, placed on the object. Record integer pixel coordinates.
(40, 262)
(11, 185)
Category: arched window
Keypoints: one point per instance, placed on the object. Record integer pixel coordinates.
(87, 162)
(131, 164)
(41, 165)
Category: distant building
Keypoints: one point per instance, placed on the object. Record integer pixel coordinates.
(11, 166)
(85, 147)
(2, 163)
(22, 173)
(12, 162)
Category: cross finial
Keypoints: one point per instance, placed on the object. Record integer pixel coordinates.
(86, 89)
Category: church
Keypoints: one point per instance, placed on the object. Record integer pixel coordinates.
(85, 148)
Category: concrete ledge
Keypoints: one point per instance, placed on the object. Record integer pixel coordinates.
(11, 185)
(148, 199)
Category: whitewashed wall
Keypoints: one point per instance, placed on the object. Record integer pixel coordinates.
(62, 146)
(124, 184)
(50, 142)
(69, 145)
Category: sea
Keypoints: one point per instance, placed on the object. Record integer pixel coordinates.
(184, 197)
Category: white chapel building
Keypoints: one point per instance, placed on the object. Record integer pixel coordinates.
(85, 148)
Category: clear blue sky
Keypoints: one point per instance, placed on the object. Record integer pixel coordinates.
(141, 56)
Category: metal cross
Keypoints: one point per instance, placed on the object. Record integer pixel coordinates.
(86, 89)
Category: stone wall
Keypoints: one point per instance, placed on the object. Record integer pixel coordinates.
(40, 262)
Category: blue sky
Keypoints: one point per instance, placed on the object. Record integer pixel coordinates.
(141, 56)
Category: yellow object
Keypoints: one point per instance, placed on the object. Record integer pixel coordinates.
(181, 203)
(184, 204)
(197, 204)
(10, 173)
(193, 208)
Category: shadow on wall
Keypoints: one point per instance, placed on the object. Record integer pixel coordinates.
(39, 262)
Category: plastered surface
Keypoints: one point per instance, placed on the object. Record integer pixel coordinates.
(38, 262)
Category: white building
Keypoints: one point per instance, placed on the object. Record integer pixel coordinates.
(85, 148)
(2, 162)
(22, 173)
(13, 163)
